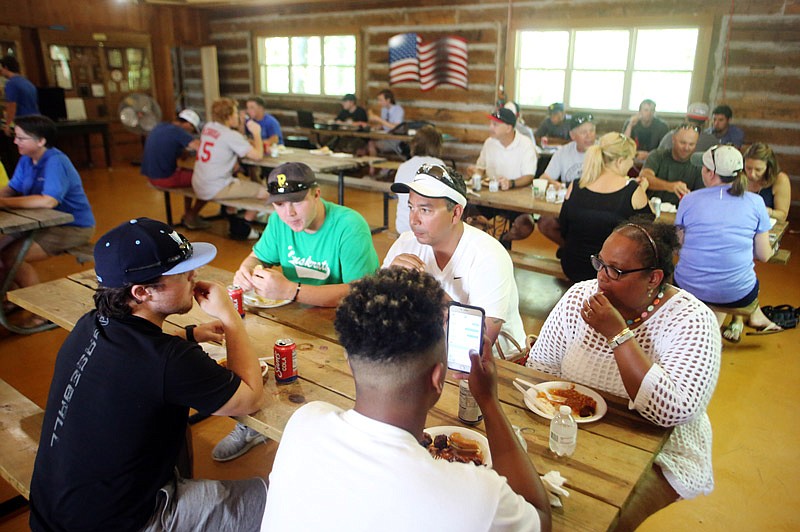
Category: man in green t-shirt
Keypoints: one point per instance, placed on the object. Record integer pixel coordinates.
(320, 248)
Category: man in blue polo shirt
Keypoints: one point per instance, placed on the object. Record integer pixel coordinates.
(21, 95)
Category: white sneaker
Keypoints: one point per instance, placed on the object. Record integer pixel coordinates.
(241, 439)
(253, 235)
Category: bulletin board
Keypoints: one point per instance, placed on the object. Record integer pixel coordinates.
(100, 69)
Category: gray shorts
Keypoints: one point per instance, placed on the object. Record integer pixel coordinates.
(219, 505)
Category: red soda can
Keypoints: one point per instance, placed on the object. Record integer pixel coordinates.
(285, 360)
(237, 296)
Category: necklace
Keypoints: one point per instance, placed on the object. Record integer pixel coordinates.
(650, 308)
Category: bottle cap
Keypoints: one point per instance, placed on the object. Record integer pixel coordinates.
(564, 410)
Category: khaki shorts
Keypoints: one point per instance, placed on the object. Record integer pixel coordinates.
(57, 240)
(239, 188)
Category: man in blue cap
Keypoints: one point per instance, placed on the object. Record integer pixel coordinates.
(115, 425)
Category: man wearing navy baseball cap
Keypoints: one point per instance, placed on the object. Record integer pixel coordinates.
(115, 426)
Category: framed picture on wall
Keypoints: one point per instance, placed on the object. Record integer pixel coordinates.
(114, 58)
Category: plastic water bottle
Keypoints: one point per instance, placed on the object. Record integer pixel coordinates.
(550, 194)
(563, 432)
(494, 185)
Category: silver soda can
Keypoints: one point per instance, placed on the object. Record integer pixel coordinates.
(468, 411)
(655, 204)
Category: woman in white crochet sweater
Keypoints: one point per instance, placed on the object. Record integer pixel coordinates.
(630, 333)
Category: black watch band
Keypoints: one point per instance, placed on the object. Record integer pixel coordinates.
(190, 333)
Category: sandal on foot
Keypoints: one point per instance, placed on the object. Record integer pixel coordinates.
(733, 332)
(772, 328)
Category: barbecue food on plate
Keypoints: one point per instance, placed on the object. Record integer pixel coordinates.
(453, 448)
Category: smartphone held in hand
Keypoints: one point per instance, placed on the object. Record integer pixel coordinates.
(464, 334)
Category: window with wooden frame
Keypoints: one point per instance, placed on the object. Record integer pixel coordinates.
(323, 65)
(610, 69)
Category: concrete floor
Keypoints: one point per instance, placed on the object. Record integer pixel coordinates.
(756, 431)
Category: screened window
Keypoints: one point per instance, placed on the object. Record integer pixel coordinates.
(319, 65)
(609, 69)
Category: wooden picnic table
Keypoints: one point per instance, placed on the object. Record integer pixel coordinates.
(516, 199)
(25, 222)
(611, 457)
(318, 163)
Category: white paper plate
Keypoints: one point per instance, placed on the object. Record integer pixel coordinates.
(467, 433)
(530, 395)
(342, 155)
(252, 300)
(320, 152)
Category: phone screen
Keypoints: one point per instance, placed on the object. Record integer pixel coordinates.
(464, 333)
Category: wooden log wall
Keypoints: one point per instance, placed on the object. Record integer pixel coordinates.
(167, 26)
(760, 82)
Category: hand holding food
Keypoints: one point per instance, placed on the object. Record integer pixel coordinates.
(602, 316)
(213, 299)
(212, 331)
(272, 284)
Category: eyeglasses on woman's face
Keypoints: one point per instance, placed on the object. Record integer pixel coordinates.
(612, 272)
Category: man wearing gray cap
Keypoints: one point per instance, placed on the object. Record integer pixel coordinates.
(114, 429)
(472, 267)
(309, 253)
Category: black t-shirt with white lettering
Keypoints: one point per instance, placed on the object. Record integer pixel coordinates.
(115, 421)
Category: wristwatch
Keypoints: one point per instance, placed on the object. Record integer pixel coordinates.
(623, 336)
(190, 333)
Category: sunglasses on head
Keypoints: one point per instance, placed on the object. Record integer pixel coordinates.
(184, 253)
(693, 127)
(436, 171)
(288, 187)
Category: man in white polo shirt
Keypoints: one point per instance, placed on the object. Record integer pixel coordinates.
(472, 267)
(506, 155)
(509, 157)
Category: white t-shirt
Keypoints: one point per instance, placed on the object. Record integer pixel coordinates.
(479, 273)
(216, 157)
(338, 470)
(567, 163)
(405, 174)
(512, 161)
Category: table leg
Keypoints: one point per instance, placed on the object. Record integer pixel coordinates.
(107, 147)
(87, 141)
(341, 187)
(12, 272)
(168, 208)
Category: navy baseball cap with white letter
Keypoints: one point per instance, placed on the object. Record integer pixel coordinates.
(141, 250)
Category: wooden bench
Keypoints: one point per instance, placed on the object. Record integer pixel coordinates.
(368, 184)
(21, 426)
(780, 256)
(247, 204)
(536, 263)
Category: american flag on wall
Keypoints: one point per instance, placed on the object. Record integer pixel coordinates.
(443, 61)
